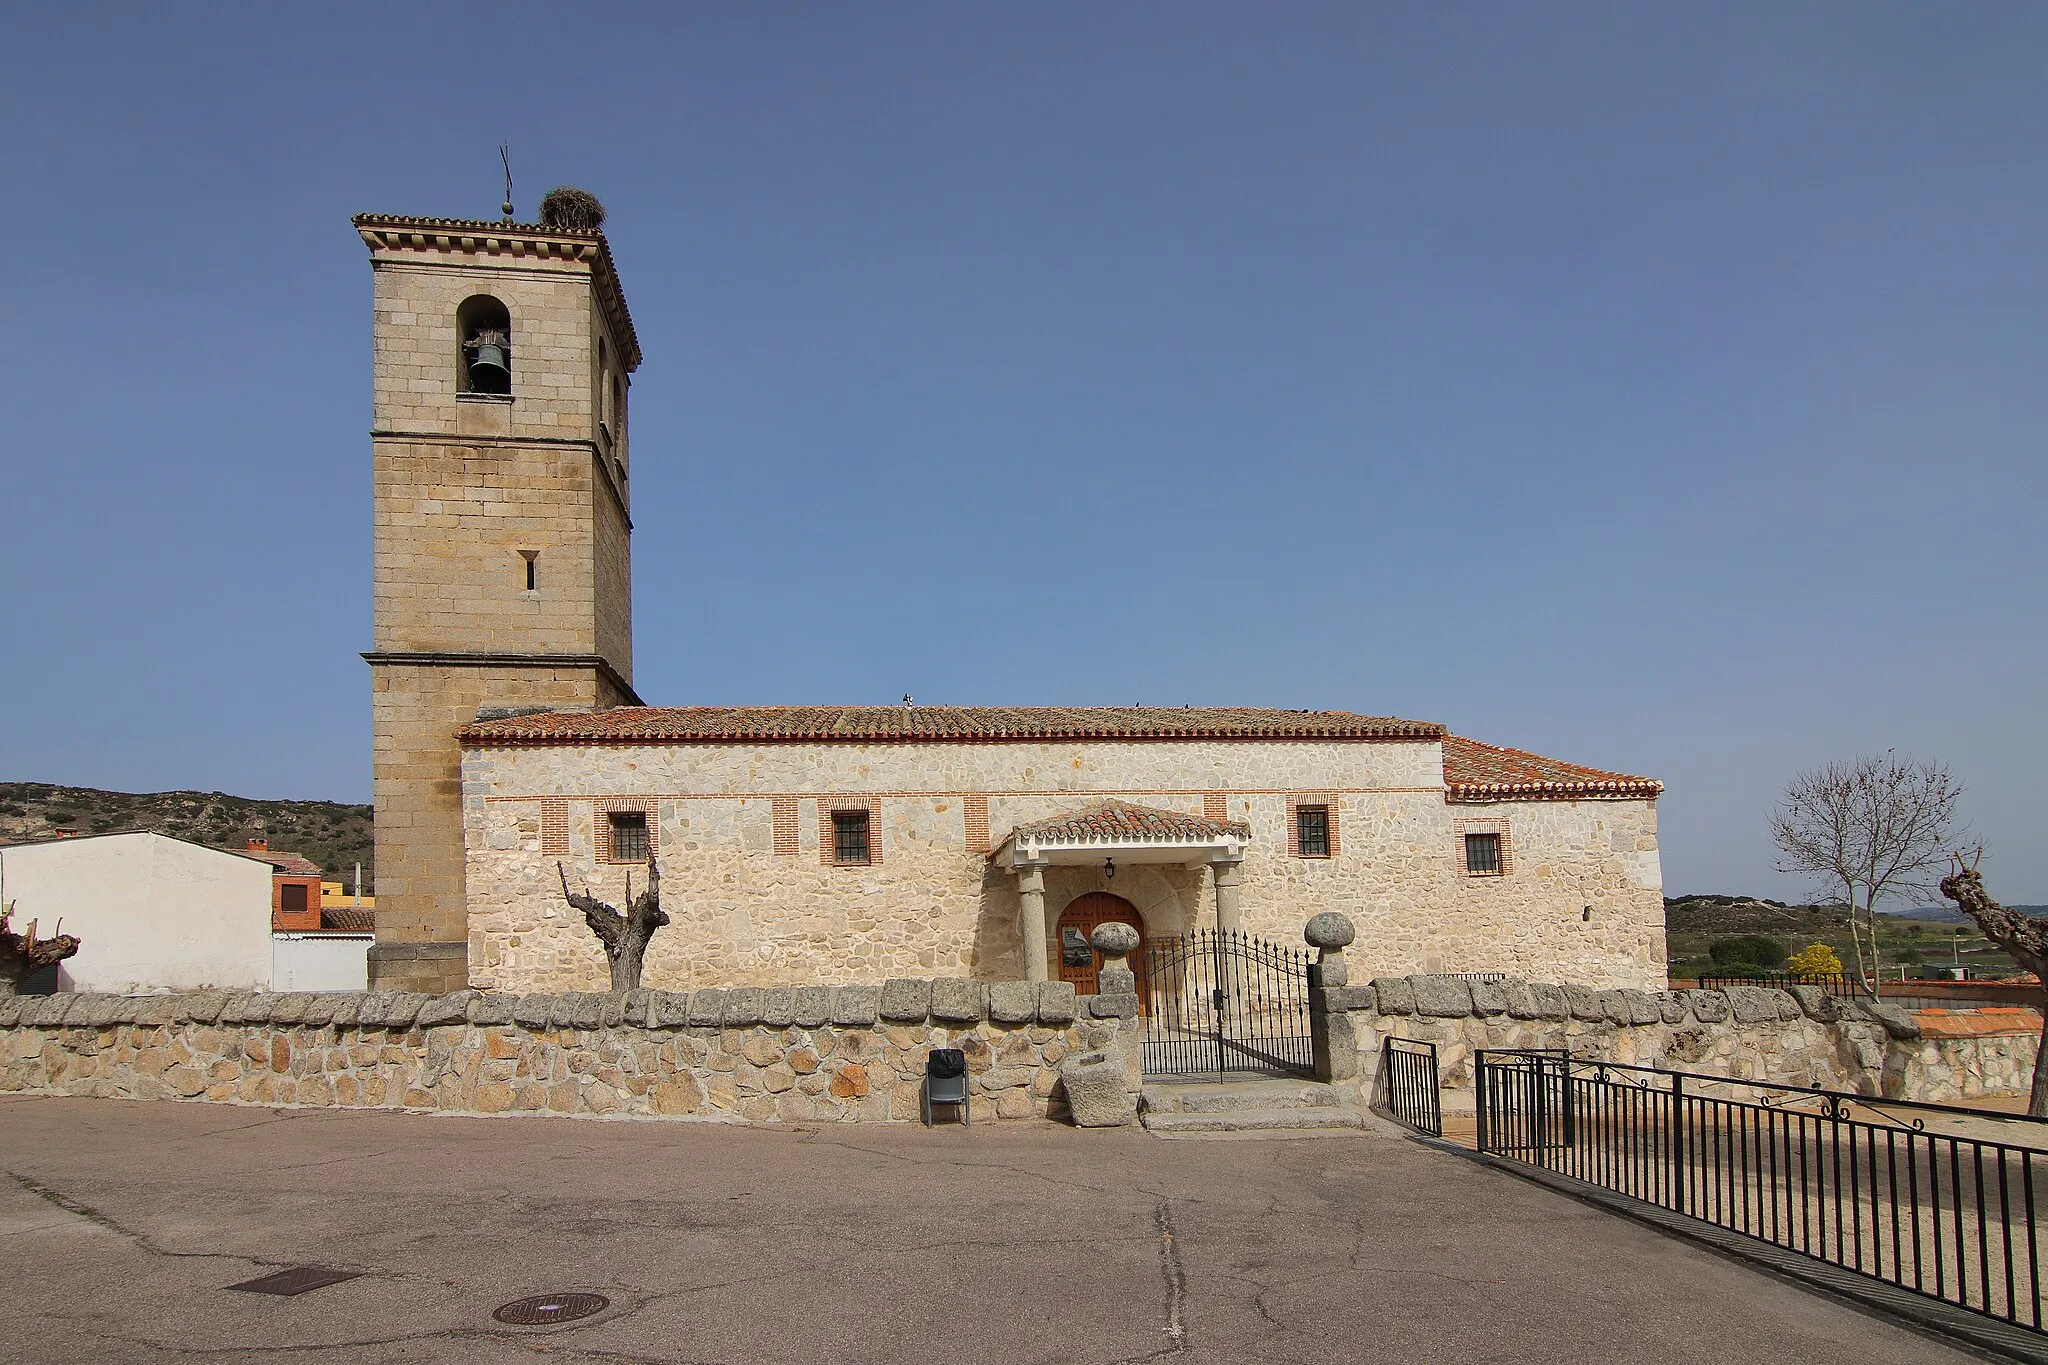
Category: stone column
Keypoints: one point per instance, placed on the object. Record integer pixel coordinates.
(1332, 1041)
(1031, 919)
(1229, 876)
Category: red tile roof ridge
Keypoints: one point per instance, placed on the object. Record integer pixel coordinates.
(1474, 771)
(953, 724)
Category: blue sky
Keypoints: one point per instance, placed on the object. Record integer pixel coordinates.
(1659, 387)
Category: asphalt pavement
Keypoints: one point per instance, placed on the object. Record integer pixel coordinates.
(123, 1224)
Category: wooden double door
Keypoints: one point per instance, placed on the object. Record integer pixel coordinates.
(1079, 962)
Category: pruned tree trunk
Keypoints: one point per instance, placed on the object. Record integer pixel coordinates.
(2026, 939)
(23, 953)
(624, 936)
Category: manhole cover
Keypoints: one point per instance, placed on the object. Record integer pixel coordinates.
(545, 1308)
(297, 1280)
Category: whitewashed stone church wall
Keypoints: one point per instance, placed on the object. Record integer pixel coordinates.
(1582, 899)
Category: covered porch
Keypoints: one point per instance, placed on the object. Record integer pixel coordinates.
(1105, 836)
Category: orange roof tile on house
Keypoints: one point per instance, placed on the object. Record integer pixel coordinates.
(350, 919)
(285, 864)
(1485, 772)
(958, 724)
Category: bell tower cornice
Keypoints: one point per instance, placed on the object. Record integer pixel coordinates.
(483, 237)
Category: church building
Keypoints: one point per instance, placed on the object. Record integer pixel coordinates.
(803, 845)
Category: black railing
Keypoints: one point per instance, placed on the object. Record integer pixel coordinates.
(1861, 1183)
(1220, 1000)
(1406, 1090)
(1840, 987)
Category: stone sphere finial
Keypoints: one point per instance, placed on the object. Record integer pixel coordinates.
(1329, 930)
(1114, 939)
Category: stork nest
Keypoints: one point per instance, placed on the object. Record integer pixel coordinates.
(568, 207)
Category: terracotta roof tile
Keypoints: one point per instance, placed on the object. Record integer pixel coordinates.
(966, 724)
(354, 919)
(1485, 772)
(1110, 820)
(287, 864)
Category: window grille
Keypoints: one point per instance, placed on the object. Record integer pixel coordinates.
(1312, 831)
(1482, 855)
(850, 836)
(629, 837)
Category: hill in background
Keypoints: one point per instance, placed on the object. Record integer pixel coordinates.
(334, 835)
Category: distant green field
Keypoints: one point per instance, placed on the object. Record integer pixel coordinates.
(1694, 922)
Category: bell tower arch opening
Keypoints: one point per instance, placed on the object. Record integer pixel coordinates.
(483, 362)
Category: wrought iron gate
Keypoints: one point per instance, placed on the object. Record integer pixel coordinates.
(1407, 1087)
(1221, 1001)
(1523, 1097)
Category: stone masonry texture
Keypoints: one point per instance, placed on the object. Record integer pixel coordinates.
(1583, 901)
(857, 1053)
(465, 488)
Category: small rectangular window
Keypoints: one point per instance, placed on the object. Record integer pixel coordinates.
(629, 837)
(1312, 831)
(532, 558)
(292, 898)
(1482, 855)
(850, 837)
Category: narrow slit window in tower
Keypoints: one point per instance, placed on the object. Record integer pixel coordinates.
(532, 558)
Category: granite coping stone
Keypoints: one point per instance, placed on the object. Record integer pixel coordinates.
(812, 1006)
(958, 1000)
(856, 1006)
(1815, 1000)
(1584, 1004)
(493, 1008)
(439, 1010)
(1442, 997)
(906, 1000)
(1012, 1002)
(1393, 994)
(1709, 1007)
(743, 1006)
(669, 1009)
(1057, 1002)
(1489, 998)
(531, 1012)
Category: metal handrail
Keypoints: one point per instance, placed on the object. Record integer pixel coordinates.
(1804, 1091)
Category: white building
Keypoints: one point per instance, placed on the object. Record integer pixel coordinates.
(151, 913)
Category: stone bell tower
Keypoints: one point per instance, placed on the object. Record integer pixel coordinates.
(502, 529)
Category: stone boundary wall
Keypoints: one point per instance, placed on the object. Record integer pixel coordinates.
(767, 1054)
(1798, 1036)
(857, 1053)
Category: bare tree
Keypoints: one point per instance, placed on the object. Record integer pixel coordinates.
(2026, 939)
(1870, 829)
(23, 953)
(624, 936)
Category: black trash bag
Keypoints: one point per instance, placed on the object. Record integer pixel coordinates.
(946, 1063)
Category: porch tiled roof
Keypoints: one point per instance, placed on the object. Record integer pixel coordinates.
(957, 724)
(1485, 772)
(1108, 821)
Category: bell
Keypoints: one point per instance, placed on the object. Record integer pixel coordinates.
(489, 373)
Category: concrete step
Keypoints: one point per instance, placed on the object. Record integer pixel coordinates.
(1254, 1120)
(1215, 1097)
